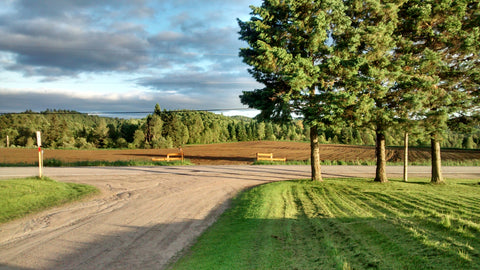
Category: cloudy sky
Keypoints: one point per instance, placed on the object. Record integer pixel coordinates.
(122, 55)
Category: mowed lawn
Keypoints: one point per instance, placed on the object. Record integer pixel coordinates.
(345, 224)
(19, 197)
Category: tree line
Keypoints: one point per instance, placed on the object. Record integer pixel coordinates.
(167, 129)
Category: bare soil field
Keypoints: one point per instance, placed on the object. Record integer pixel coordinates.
(241, 153)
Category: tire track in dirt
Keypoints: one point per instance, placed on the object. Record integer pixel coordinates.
(141, 220)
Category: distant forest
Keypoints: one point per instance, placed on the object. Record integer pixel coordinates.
(167, 129)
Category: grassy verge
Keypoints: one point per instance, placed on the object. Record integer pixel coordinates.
(19, 197)
(288, 162)
(345, 224)
(474, 162)
(59, 163)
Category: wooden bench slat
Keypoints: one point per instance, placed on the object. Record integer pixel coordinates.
(269, 157)
(170, 157)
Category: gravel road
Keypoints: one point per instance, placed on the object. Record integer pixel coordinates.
(144, 216)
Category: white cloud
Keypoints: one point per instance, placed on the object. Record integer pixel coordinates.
(114, 54)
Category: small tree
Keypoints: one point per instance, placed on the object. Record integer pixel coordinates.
(153, 129)
(175, 129)
(138, 139)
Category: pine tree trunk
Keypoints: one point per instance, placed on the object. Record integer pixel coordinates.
(437, 177)
(405, 158)
(315, 154)
(381, 172)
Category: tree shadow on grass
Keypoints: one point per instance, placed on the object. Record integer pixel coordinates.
(285, 243)
(330, 243)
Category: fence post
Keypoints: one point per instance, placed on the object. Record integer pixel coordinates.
(40, 156)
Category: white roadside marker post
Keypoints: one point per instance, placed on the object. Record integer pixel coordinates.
(40, 159)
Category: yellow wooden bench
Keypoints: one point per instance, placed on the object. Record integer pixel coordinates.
(170, 157)
(269, 157)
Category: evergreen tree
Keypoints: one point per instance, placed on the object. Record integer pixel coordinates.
(291, 53)
(157, 110)
(241, 131)
(269, 131)
(468, 142)
(99, 135)
(442, 40)
(261, 131)
(232, 132)
(373, 70)
(138, 139)
(175, 129)
(127, 130)
(113, 133)
(195, 127)
(153, 130)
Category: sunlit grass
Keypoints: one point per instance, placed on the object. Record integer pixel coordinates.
(19, 197)
(473, 162)
(101, 163)
(345, 224)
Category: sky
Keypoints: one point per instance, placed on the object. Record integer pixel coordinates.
(123, 55)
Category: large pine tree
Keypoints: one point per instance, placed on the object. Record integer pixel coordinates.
(292, 52)
(374, 69)
(441, 39)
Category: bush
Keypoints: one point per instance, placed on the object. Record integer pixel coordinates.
(121, 143)
(52, 162)
(82, 143)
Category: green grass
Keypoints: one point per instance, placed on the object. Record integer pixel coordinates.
(345, 224)
(288, 162)
(473, 162)
(59, 163)
(19, 197)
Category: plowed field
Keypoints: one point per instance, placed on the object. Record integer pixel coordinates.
(233, 153)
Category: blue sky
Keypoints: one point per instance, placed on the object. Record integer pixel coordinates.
(122, 55)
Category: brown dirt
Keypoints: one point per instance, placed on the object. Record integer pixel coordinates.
(233, 153)
(143, 217)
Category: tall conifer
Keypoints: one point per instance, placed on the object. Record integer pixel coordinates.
(374, 69)
(442, 41)
(292, 51)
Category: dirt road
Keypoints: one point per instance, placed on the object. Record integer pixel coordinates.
(144, 215)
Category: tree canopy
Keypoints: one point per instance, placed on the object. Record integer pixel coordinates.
(291, 51)
(374, 63)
